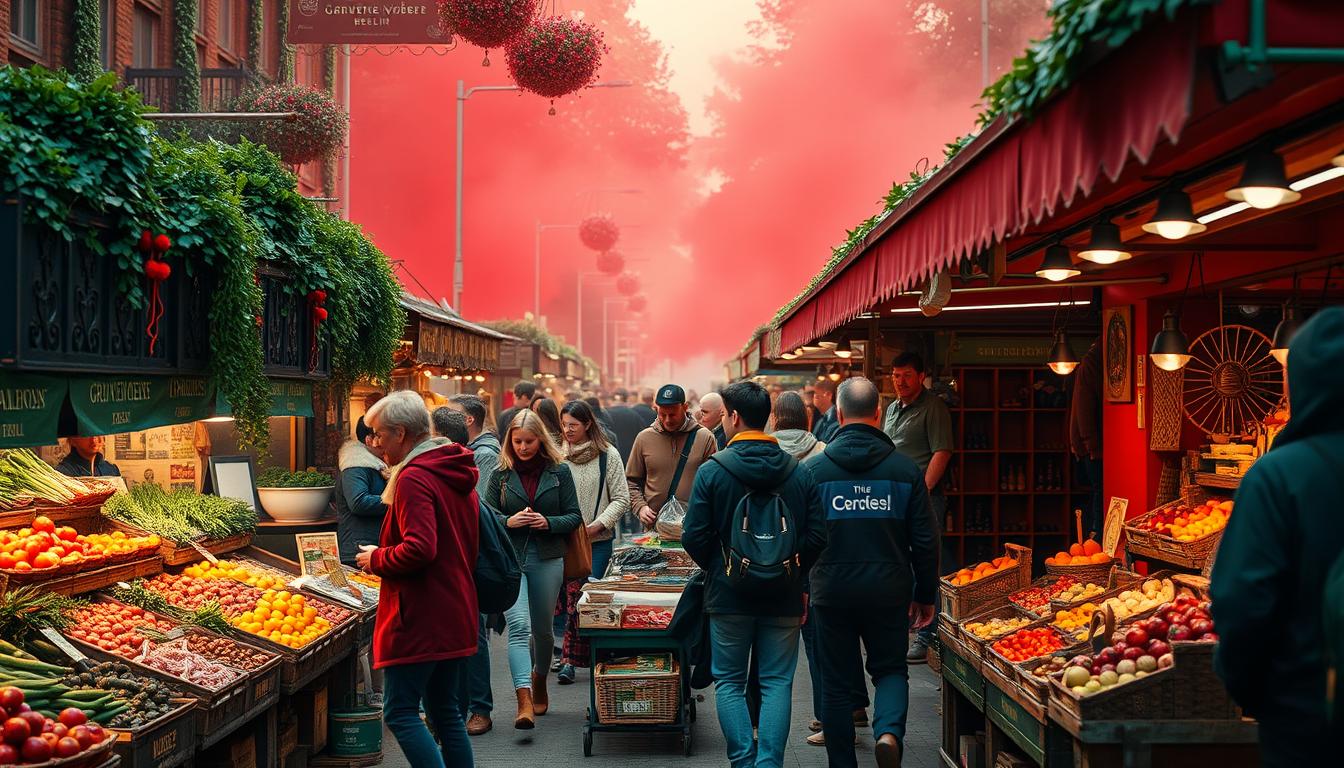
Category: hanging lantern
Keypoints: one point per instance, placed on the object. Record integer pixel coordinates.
(486, 23)
(637, 304)
(627, 284)
(599, 232)
(317, 130)
(610, 262)
(555, 56)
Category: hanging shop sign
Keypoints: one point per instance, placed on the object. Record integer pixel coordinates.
(30, 408)
(366, 22)
(442, 345)
(999, 350)
(288, 398)
(105, 405)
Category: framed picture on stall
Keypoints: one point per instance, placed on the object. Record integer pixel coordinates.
(231, 478)
(1117, 333)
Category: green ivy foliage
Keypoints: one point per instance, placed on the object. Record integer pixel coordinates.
(256, 42)
(184, 56)
(365, 320)
(88, 61)
(531, 332)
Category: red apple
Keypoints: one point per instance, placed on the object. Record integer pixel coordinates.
(1133, 653)
(1136, 636)
(1210, 637)
(1157, 628)
(8, 754)
(1158, 648)
(35, 750)
(1200, 628)
(1178, 632)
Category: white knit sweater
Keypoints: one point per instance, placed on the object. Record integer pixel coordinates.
(615, 492)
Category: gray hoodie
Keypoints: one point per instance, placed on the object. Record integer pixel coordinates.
(799, 443)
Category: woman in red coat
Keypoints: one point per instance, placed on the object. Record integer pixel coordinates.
(426, 626)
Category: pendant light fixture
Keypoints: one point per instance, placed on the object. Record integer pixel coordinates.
(835, 373)
(821, 372)
(1288, 326)
(1338, 159)
(843, 350)
(1104, 247)
(1264, 182)
(1062, 360)
(1171, 349)
(1175, 217)
(1057, 265)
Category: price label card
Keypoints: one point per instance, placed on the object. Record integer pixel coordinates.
(60, 642)
(207, 554)
(1114, 522)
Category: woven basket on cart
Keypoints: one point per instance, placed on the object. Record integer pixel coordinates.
(642, 698)
(1008, 611)
(1143, 543)
(1090, 573)
(959, 602)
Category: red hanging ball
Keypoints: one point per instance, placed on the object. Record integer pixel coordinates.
(146, 241)
(162, 243)
(320, 314)
(321, 296)
(164, 270)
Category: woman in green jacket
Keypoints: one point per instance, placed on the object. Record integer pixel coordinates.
(534, 494)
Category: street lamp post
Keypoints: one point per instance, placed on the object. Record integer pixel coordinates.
(464, 93)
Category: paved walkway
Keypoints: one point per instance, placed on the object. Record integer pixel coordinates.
(558, 738)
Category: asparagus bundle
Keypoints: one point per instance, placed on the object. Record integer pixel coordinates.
(182, 516)
(23, 473)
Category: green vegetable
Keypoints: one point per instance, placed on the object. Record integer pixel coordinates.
(14, 662)
(275, 477)
(182, 516)
(22, 471)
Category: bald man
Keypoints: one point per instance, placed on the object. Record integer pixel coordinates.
(711, 417)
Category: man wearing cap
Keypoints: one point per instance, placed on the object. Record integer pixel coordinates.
(657, 454)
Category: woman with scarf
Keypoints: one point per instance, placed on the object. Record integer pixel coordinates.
(604, 496)
(533, 492)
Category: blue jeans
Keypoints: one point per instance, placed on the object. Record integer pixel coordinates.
(475, 696)
(774, 640)
(530, 618)
(947, 562)
(436, 684)
(883, 632)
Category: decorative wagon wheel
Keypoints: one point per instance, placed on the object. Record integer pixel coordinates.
(1231, 380)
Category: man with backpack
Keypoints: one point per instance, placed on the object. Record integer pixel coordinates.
(877, 577)
(1278, 581)
(754, 526)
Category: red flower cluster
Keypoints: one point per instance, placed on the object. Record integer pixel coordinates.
(486, 23)
(610, 263)
(627, 284)
(317, 131)
(637, 304)
(599, 232)
(555, 56)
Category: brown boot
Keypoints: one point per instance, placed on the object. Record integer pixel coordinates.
(479, 724)
(527, 718)
(888, 751)
(541, 702)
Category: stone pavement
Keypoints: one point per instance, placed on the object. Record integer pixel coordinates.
(558, 738)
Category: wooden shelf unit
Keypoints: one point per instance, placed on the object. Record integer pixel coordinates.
(1000, 427)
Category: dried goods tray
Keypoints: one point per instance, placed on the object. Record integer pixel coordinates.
(1195, 554)
(1010, 610)
(167, 742)
(957, 603)
(183, 554)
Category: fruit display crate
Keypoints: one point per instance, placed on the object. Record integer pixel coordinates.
(1090, 573)
(1116, 582)
(167, 742)
(298, 667)
(961, 668)
(89, 524)
(959, 602)
(1008, 668)
(1143, 543)
(367, 614)
(17, 518)
(972, 641)
(184, 554)
(92, 581)
(1008, 685)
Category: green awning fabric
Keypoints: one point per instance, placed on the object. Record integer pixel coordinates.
(288, 398)
(107, 405)
(30, 408)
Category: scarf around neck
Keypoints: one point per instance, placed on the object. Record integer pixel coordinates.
(582, 453)
(529, 473)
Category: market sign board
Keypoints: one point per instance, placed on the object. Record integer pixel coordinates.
(365, 22)
(107, 405)
(960, 349)
(30, 408)
(288, 398)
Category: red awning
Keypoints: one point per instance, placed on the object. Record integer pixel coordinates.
(1012, 177)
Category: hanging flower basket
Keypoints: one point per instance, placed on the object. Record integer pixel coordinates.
(556, 56)
(627, 284)
(610, 263)
(486, 23)
(599, 232)
(637, 304)
(317, 131)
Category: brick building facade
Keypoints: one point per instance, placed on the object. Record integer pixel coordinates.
(136, 42)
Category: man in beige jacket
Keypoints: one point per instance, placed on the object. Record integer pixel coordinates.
(657, 453)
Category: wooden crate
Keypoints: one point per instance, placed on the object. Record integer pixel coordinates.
(92, 581)
(957, 603)
(240, 752)
(269, 560)
(310, 705)
(17, 518)
(182, 554)
(1155, 546)
(1008, 668)
(167, 742)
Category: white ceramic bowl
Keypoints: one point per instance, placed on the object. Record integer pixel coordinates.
(296, 505)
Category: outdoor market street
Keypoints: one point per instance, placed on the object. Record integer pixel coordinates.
(559, 735)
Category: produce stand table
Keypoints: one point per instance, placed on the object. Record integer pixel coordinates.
(1131, 743)
(643, 640)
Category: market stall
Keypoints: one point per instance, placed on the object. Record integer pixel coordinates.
(641, 679)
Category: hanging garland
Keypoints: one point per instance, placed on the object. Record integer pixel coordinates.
(88, 64)
(486, 23)
(318, 131)
(610, 263)
(256, 43)
(627, 284)
(184, 56)
(556, 56)
(599, 232)
(637, 304)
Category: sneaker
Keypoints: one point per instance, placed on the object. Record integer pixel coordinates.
(919, 651)
(375, 700)
(814, 726)
(819, 739)
(557, 663)
(566, 674)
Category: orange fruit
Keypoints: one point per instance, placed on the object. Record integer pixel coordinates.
(1076, 549)
(1049, 561)
(1063, 559)
(1091, 547)
(1101, 557)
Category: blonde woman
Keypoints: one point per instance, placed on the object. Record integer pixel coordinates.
(533, 492)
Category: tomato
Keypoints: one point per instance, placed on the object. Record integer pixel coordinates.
(44, 524)
(66, 533)
(7, 561)
(11, 698)
(82, 735)
(35, 750)
(15, 730)
(46, 560)
(31, 550)
(68, 747)
(71, 717)
(59, 730)
(8, 754)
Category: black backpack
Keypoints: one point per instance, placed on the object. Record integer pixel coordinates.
(497, 572)
(761, 557)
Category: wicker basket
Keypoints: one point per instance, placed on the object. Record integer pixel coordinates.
(958, 603)
(1042, 582)
(650, 698)
(1187, 554)
(1119, 581)
(1200, 695)
(1091, 573)
(1010, 611)
(1147, 698)
(1007, 668)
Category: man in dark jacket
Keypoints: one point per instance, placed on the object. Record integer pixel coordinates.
(523, 393)
(359, 490)
(603, 419)
(823, 398)
(742, 625)
(1283, 538)
(86, 459)
(644, 409)
(426, 626)
(880, 530)
(627, 425)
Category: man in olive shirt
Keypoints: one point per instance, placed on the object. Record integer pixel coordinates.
(920, 425)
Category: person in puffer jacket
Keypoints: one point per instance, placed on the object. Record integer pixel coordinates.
(877, 577)
(359, 489)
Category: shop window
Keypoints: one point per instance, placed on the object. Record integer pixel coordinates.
(270, 31)
(228, 25)
(25, 23)
(201, 7)
(145, 38)
(107, 35)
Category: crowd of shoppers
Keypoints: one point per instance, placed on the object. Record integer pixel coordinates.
(843, 519)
